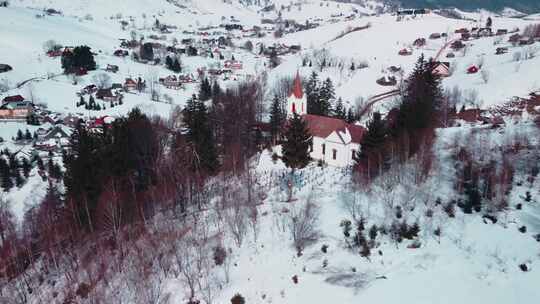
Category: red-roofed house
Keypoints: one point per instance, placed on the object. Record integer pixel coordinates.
(15, 98)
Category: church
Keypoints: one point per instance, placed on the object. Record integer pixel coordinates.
(335, 142)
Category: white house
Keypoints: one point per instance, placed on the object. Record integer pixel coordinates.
(335, 141)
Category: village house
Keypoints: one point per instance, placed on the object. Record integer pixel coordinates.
(107, 95)
(171, 82)
(16, 109)
(441, 69)
(130, 84)
(420, 42)
(335, 142)
(387, 81)
(233, 64)
(5, 68)
(55, 138)
(14, 98)
(473, 69)
(405, 52)
(501, 50)
(112, 68)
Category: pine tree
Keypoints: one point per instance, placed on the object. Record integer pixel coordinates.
(371, 155)
(326, 97)
(27, 135)
(19, 135)
(312, 94)
(295, 147)
(19, 180)
(205, 90)
(276, 117)
(353, 67)
(199, 133)
(169, 62)
(5, 175)
(26, 167)
(351, 116)
(339, 110)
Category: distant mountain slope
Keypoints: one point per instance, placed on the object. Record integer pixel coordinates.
(530, 6)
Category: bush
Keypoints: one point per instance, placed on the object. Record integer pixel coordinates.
(324, 248)
(220, 254)
(238, 299)
(450, 209)
(373, 232)
(522, 229)
(346, 224)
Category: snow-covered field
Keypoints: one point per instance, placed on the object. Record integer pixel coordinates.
(471, 262)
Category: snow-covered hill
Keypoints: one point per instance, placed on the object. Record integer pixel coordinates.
(469, 260)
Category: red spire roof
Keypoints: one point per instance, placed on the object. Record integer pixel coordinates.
(297, 87)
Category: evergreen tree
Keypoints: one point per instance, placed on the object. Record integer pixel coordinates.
(20, 135)
(276, 117)
(26, 167)
(80, 58)
(199, 133)
(27, 135)
(5, 175)
(353, 67)
(169, 62)
(296, 144)
(176, 66)
(19, 180)
(351, 116)
(339, 110)
(39, 162)
(312, 94)
(371, 156)
(83, 176)
(205, 90)
(421, 104)
(326, 97)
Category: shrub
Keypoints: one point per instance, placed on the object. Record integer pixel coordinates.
(450, 209)
(295, 279)
(238, 299)
(220, 254)
(373, 232)
(523, 267)
(346, 225)
(528, 196)
(522, 229)
(399, 212)
(324, 248)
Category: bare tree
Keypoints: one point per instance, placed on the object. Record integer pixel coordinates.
(102, 80)
(303, 224)
(153, 84)
(485, 75)
(51, 45)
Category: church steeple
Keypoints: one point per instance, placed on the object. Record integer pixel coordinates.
(297, 101)
(297, 90)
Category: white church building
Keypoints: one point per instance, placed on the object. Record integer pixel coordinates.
(335, 141)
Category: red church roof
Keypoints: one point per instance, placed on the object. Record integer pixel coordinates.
(297, 87)
(321, 126)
